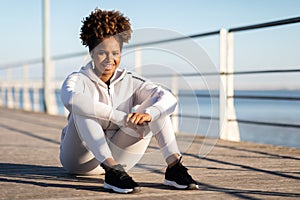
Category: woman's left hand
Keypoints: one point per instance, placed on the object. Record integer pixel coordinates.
(138, 118)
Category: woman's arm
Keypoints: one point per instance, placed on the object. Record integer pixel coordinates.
(155, 100)
(77, 98)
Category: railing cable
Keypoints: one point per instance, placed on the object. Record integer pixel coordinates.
(266, 24)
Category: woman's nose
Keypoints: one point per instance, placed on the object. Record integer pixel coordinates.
(109, 57)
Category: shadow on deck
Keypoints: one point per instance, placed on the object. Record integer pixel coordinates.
(30, 167)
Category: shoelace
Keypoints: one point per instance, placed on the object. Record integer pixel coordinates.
(120, 172)
(184, 172)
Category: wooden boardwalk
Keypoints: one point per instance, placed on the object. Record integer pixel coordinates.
(30, 167)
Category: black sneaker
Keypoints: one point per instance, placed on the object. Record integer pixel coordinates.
(178, 177)
(119, 181)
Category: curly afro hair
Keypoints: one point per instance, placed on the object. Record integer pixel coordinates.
(101, 24)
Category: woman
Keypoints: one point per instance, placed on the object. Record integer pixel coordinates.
(102, 131)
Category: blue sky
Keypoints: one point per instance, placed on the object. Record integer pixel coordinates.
(21, 25)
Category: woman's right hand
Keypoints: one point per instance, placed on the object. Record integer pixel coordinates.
(137, 122)
(138, 118)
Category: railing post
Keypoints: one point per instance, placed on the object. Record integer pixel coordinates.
(17, 95)
(223, 124)
(49, 99)
(26, 97)
(36, 97)
(228, 125)
(232, 129)
(10, 103)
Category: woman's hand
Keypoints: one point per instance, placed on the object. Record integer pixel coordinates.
(136, 121)
(138, 118)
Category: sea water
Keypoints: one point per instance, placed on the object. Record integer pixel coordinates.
(261, 110)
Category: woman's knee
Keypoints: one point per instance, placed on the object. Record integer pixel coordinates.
(83, 168)
(160, 124)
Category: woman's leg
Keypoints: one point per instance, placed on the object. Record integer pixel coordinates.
(165, 136)
(128, 147)
(124, 147)
(78, 157)
(87, 133)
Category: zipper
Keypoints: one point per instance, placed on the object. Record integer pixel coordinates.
(110, 101)
(108, 87)
(108, 91)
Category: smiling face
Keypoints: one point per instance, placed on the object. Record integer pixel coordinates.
(106, 57)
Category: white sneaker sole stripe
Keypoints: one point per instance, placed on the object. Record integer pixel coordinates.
(174, 184)
(116, 189)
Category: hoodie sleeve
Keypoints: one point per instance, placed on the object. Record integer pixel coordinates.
(78, 99)
(154, 99)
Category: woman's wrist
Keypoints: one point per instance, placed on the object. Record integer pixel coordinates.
(118, 117)
(154, 112)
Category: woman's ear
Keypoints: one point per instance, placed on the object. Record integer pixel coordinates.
(93, 64)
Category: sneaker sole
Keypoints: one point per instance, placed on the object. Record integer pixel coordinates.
(116, 189)
(174, 184)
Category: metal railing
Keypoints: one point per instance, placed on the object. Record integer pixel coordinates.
(227, 115)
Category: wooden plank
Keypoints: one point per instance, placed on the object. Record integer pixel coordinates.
(30, 167)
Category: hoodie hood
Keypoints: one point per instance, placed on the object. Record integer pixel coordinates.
(89, 72)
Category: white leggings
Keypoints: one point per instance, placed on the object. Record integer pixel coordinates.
(83, 148)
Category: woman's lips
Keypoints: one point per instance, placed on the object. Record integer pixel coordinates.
(108, 67)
